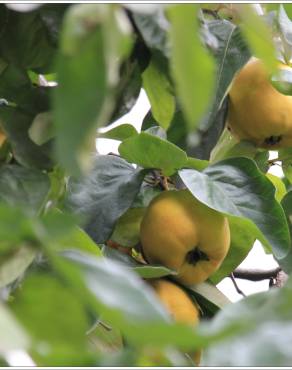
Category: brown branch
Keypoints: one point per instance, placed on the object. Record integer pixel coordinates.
(255, 274)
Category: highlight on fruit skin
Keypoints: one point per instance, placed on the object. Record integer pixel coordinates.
(179, 305)
(183, 234)
(257, 111)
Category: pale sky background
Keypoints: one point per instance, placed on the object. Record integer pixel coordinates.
(257, 258)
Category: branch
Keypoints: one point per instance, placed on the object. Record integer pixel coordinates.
(255, 274)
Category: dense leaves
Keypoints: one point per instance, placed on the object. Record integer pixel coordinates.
(73, 280)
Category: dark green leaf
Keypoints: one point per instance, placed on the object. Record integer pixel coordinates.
(153, 28)
(16, 124)
(231, 54)
(23, 187)
(105, 194)
(25, 42)
(150, 151)
(236, 187)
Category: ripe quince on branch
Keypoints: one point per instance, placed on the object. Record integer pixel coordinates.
(183, 234)
(257, 111)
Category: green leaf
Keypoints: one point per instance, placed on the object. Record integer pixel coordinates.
(258, 35)
(158, 90)
(14, 264)
(104, 195)
(12, 335)
(279, 186)
(149, 151)
(120, 132)
(23, 187)
(86, 66)
(228, 147)
(197, 164)
(242, 240)
(266, 338)
(236, 187)
(192, 67)
(127, 228)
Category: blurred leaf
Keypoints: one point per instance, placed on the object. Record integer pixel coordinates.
(158, 90)
(86, 66)
(62, 233)
(12, 335)
(118, 289)
(236, 187)
(41, 129)
(242, 240)
(120, 132)
(51, 313)
(258, 35)
(23, 187)
(104, 195)
(266, 339)
(150, 151)
(16, 226)
(14, 264)
(282, 80)
(192, 67)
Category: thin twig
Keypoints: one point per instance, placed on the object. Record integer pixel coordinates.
(239, 291)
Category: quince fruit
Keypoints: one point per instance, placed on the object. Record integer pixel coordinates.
(257, 111)
(180, 306)
(183, 234)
